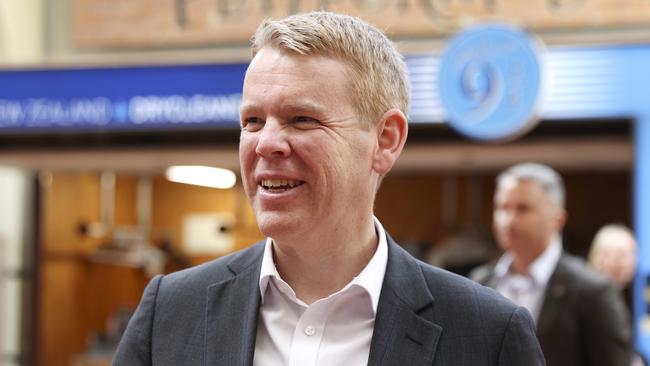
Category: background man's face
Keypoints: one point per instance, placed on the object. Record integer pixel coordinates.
(305, 158)
(525, 218)
(617, 258)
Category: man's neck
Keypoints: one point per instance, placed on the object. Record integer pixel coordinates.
(521, 262)
(320, 265)
(520, 266)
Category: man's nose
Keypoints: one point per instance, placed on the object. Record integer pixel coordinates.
(273, 140)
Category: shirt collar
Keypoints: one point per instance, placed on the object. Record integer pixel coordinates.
(540, 269)
(268, 267)
(370, 278)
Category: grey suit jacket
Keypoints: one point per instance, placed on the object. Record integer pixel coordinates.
(583, 320)
(207, 315)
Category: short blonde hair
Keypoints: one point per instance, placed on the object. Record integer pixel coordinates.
(377, 70)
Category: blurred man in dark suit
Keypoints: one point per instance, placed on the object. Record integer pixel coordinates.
(581, 318)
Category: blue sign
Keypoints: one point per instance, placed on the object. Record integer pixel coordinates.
(489, 82)
(123, 98)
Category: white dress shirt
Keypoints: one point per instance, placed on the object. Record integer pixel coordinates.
(336, 330)
(528, 290)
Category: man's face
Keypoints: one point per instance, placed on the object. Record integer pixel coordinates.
(525, 218)
(305, 158)
(617, 258)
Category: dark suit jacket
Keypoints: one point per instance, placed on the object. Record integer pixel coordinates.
(207, 315)
(583, 320)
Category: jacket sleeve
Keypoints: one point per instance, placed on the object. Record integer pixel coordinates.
(606, 327)
(519, 345)
(135, 346)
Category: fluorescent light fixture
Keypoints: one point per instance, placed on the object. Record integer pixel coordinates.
(204, 176)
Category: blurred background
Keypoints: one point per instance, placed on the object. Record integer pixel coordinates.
(100, 98)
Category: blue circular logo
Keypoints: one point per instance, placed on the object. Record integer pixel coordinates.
(489, 82)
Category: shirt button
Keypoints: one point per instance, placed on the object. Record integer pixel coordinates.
(310, 331)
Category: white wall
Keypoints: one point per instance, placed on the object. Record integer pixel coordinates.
(21, 31)
(16, 234)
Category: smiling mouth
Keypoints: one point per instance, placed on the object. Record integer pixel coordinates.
(279, 185)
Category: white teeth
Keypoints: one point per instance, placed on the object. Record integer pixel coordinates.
(277, 183)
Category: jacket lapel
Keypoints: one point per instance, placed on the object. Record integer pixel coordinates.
(231, 315)
(553, 298)
(404, 333)
(556, 291)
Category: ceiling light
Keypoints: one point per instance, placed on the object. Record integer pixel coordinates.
(201, 176)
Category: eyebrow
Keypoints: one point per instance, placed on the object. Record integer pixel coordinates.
(305, 107)
(299, 107)
(247, 107)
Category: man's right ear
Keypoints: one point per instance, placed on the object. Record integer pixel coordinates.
(391, 137)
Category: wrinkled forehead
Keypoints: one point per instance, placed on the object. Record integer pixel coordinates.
(276, 59)
(318, 77)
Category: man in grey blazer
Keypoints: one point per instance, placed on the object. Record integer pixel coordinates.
(581, 318)
(323, 120)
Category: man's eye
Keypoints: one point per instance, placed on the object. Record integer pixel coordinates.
(304, 119)
(252, 124)
(523, 208)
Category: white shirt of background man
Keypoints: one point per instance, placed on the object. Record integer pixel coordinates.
(528, 290)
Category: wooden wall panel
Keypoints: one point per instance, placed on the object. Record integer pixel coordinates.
(69, 200)
(77, 296)
(126, 190)
(61, 313)
(409, 207)
(593, 200)
(108, 290)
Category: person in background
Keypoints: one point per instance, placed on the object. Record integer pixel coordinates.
(323, 120)
(613, 253)
(580, 317)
